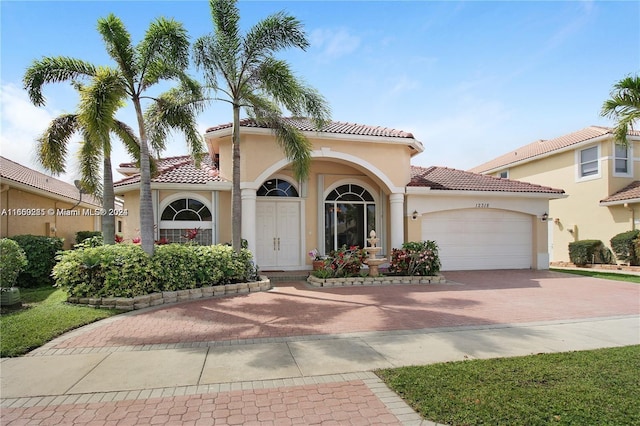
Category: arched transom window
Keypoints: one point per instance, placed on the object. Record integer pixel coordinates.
(186, 219)
(277, 188)
(350, 214)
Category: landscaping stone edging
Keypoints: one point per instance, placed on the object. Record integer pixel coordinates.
(156, 299)
(381, 280)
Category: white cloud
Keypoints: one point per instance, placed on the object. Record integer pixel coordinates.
(334, 43)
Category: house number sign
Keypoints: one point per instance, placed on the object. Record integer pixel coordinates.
(482, 205)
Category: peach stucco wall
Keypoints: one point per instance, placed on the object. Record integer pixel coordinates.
(57, 225)
(580, 216)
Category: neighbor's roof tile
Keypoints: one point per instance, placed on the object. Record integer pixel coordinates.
(12, 171)
(446, 179)
(541, 147)
(629, 192)
(179, 169)
(338, 127)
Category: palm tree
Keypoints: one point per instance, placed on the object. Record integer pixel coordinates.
(243, 68)
(624, 106)
(163, 54)
(96, 144)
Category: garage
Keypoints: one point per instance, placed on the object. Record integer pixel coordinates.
(472, 239)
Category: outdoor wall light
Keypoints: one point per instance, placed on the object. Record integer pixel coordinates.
(544, 217)
(414, 215)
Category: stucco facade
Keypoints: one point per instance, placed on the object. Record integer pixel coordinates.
(584, 165)
(37, 204)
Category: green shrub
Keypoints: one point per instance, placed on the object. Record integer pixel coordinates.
(589, 252)
(41, 253)
(120, 270)
(415, 258)
(95, 241)
(124, 270)
(624, 247)
(12, 262)
(83, 235)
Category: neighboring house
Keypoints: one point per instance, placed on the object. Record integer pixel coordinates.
(34, 203)
(599, 176)
(361, 179)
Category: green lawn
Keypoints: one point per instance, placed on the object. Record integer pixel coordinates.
(599, 274)
(44, 315)
(600, 387)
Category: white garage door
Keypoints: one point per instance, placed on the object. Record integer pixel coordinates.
(480, 239)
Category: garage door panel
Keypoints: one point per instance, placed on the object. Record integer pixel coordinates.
(480, 239)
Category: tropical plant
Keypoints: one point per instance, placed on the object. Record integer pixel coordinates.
(12, 262)
(415, 258)
(623, 106)
(41, 253)
(163, 54)
(345, 261)
(94, 121)
(243, 68)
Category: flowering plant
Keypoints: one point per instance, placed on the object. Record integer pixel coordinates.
(346, 261)
(191, 234)
(314, 254)
(415, 258)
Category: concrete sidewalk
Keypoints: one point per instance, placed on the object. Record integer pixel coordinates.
(320, 364)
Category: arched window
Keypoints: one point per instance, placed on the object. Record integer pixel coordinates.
(277, 188)
(350, 214)
(186, 219)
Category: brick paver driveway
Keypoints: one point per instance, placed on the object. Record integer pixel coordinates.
(295, 309)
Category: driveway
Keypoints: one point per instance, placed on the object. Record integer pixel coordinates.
(295, 309)
(301, 355)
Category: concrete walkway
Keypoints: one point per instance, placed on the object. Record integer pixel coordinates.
(89, 376)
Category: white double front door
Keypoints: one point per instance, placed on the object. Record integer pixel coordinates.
(278, 234)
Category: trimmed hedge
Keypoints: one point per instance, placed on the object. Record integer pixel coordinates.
(589, 252)
(41, 254)
(124, 270)
(624, 247)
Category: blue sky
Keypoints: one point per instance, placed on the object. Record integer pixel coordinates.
(471, 80)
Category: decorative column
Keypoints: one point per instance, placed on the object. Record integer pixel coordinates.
(396, 219)
(248, 196)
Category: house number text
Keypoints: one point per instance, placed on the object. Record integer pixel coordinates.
(482, 205)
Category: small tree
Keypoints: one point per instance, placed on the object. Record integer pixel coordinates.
(12, 262)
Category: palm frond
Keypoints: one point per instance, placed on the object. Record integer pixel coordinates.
(99, 102)
(118, 43)
(623, 106)
(163, 52)
(276, 32)
(52, 145)
(53, 70)
(90, 158)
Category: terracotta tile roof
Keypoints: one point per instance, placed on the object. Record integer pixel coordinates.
(629, 192)
(14, 172)
(338, 127)
(178, 170)
(446, 179)
(542, 147)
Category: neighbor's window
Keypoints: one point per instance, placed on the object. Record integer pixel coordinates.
(589, 162)
(504, 174)
(621, 159)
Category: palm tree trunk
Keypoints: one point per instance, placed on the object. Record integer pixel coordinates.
(236, 197)
(146, 205)
(108, 202)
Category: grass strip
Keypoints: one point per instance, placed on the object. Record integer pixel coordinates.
(598, 387)
(44, 315)
(603, 275)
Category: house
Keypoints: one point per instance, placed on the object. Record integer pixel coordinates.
(599, 176)
(35, 203)
(361, 179)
